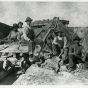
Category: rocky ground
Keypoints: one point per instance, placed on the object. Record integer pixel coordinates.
(41, 76)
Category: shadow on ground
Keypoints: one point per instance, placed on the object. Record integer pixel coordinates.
(9, 79)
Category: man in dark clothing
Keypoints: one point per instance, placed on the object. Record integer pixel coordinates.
(77, 54)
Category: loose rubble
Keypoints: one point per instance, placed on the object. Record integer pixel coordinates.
(41, 76)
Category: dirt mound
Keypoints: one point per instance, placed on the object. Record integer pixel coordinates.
(40, 76)
(52, 64)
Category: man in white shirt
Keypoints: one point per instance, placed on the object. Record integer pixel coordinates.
(20, 24)
(28, 34)
(34, 44)
(20, 30)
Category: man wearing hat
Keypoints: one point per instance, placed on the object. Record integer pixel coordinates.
(13, 35)
(77, 54)
(58, 43)
(28, 34)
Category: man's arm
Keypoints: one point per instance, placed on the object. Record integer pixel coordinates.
(84, 54)
(8, 35)
(71, 50)
(25, 35)
(65, 42)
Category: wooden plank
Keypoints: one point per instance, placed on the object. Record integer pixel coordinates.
(16, 49)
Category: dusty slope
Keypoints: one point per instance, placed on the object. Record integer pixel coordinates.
(41, 76)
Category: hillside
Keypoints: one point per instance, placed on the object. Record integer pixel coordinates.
(4, 30)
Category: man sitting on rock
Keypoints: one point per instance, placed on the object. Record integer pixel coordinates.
(58, 45)
(77, 54)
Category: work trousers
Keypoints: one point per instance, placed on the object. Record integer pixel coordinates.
(56, 49)
(73, 60)
(32, 44)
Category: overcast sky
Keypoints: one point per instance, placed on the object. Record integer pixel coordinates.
(75, 12)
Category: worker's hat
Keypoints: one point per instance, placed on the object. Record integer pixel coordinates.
(15, 25)
(28, 19)
(20, 22)
(76, 38)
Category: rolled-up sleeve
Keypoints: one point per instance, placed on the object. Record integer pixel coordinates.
(25, 34)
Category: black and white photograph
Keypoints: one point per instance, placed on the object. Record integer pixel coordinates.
(43, 43)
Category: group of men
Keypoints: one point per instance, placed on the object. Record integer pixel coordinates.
(75, 53)
(19, 33)
(71, 55)
(25, 34)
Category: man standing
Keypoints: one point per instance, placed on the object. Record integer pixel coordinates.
(77, 54)
(28, 34)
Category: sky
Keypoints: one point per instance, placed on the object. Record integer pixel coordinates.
(75, 12)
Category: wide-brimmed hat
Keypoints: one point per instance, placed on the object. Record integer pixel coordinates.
(15, 25)
(28, 19)
(76, 38)
(20, 22)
